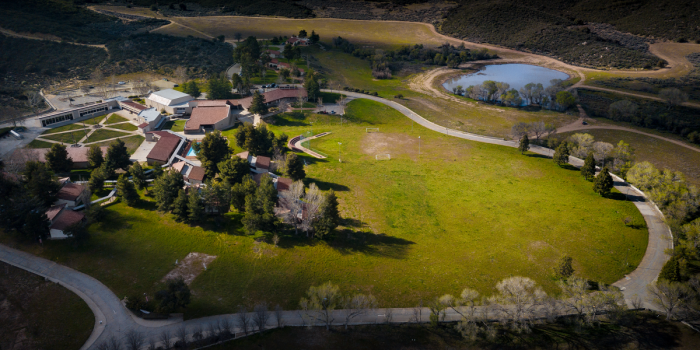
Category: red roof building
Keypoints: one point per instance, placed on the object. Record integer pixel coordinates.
(283, 184)
(164, 148)
(209, 117)
(71, 192)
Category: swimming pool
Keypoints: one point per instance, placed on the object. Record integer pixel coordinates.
(191, 152)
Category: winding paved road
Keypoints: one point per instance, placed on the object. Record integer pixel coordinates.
(112, 319)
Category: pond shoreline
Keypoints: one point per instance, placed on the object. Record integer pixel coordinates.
(474, 68)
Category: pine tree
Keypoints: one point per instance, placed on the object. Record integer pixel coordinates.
(588, 168)
(295, 168)
(95, 156)
(138, 176)
(43, 185)
(117, 155)
(97, 180)
(180, 206)
(251, 219)
(166, 188)
(258, 105)
(233, 170)
(328, 216)
(126, 191)
(524, 144)
(266, 199)
(194, 206)
(57, 159)
(213, 150)
(603, 183)
(241, 190)
(561, 154)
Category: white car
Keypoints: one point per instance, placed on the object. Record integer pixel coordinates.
(121, 83)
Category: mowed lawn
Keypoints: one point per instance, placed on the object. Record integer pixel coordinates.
(460, 214)
(663, 154)
(104, 134)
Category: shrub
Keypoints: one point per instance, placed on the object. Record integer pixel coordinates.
(154, 7)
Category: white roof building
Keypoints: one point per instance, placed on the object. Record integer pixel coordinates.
(149, 115)
(170, 97)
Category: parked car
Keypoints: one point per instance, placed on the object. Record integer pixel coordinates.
(273, 85)
(121, 83)
(176, 85)
(584, 123)
(165, 79)
(332, 112)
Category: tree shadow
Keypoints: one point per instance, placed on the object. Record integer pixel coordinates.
(350, 239)
(537, 155)
(325, 186)
(568, 166)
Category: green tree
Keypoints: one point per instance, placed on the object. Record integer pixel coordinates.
(603, 183)
(195, 207)
(126, 191)
(176, 296)
(565, 100)
(251, 219)
(257, 141)
(322, 300)
(266, 200)
(36, 224)
(217, 196)
(288, 52)
(192, 88)
(313, 89)
(43, 185)
(233, 170)
(241, 190)
(588, 168)
(258, 105)
(97, 179)
(117, 155)
(671, 270)
(180, 206)
(295, 167)
(138, 176)
(329, 216)
(279, 143)
(57, 159)
(524, 144)
(219, 88)
(302, 33)
(166, 188)
(213, 150)
(561, 154)
(314, 38)
(95, 157)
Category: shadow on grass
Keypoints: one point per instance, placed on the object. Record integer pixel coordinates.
(325, 186)
(537, 155)
(350, 239)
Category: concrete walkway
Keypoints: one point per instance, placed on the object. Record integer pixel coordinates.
(112, 319)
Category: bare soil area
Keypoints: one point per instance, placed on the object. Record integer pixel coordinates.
(190, 267)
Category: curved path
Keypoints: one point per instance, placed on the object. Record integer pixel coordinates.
(112, 319)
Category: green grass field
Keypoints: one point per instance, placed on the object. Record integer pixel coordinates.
(39, 144)
(124, 126)
(175, 125)
(415, 227)
(103, 134)
(131, 142)
(68, 137)
(115, 118)
(662, 154)
(92, 121)
(75, 126)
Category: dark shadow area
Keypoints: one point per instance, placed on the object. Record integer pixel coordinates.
(349, 238)
(569, 167)
(537, 155)
(325, 186)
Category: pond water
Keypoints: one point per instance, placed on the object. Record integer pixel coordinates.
(517, 75)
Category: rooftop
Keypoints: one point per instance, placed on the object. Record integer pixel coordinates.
(150, 114)
(55, 210)
(208, 115)
(197, 173)
(66, 219)
(164, 148)
(134, 105)
(70, 191)
(169, 97)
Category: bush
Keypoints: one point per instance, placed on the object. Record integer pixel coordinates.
(154, 7)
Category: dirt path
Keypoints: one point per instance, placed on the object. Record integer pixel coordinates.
(25, 36)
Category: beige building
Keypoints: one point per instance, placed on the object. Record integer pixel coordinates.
(172, 101)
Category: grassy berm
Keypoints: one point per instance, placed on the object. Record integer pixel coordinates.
(460, 214)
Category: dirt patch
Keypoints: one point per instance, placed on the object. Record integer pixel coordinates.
(190, 267)
(380, 143)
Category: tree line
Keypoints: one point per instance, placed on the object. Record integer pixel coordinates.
(552, 97)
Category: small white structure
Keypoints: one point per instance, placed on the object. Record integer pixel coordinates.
(149, 119)
(172, 101)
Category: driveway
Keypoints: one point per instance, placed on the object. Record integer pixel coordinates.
(141, 152)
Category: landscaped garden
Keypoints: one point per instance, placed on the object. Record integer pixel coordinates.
(115, 118)
(459, 214)
(175, 125)
(124, 126)
(103, 134)
(132, 142)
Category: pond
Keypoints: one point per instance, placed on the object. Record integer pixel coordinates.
(517, 75)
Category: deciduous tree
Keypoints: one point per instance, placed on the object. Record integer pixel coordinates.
(174, 297)
(673, 97)
(320, 301)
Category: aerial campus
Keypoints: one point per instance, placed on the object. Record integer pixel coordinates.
(391, 174)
